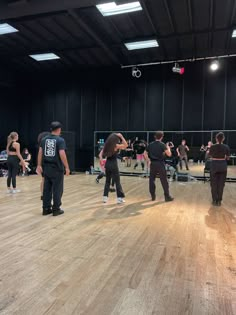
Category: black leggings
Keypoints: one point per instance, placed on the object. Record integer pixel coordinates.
(102, 174)
(13, 166)
(112, 172)
(218, 178)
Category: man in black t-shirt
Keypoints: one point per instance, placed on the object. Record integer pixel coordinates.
(52, 159)
(156, 152)
(182, 154)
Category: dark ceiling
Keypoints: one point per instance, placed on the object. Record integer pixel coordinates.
(82, 37)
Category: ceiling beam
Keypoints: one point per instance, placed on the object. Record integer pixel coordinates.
(32, 8)
(154, 29)
(191, 24)
(94, 35)
(230, 25)
(211, 22)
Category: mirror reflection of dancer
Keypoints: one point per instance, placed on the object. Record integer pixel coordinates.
(102, 162)
(110, 151)
(128, 153)
(156, 152)
(139, 146)
(13, 152)
(202, 153)
(182, 154)
(171, 162)
(207, 149)
(219, 153)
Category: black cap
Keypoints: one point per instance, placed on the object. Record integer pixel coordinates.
(55, 125)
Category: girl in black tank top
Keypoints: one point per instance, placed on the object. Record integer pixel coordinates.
(13, 162)
(110, 150)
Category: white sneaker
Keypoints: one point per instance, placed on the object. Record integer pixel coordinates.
(105, 199)
(171, 179)
(120, 200)
(14, 191)
(9, 191)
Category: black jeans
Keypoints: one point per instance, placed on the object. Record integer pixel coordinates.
(218, 176)
(102, 174)
(53, 186)
(13, 167)
(112, 172)
(185, 158)
(158, 167)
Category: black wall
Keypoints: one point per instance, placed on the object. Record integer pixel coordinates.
(111, 99)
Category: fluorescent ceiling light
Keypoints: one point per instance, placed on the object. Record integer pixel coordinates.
(42, 57)
(142, 44)
(112, 8)
(234, 33)
(6, 29)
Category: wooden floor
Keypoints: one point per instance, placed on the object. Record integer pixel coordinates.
(142, 258)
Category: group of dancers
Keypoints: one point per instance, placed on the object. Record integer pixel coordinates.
(52, 164)
(158, 156)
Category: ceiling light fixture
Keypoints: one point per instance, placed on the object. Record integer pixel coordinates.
(178, 69)
(112, 8)
(7, 29)
(214, 65)
(234, 33)
(142, 44)
(136, 73)
(43, 57)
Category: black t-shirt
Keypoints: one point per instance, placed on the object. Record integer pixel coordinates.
(182, 150)
(156, 151)
(219, 151)
(139, 146)
(51, 146)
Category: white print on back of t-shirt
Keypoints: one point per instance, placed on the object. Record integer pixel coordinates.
(50, 147)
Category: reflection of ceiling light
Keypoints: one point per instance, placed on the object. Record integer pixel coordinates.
(42, 57)
(112, 8)
(214, 65)
(234, 33)
(6, 29)
(142, 44)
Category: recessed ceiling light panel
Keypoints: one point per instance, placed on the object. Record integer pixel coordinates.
(7, 29)
(43, 57)
(112, 8)
(142, 44)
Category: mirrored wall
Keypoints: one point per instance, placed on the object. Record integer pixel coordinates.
(131, 160)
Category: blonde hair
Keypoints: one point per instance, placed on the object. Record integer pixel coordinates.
(11, 138)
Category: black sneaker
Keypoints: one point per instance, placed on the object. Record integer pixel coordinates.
(218, 203)
(168, 199)
(47, 211)
(97, 180)
(153, 197)
(57, 212)
(214, 202)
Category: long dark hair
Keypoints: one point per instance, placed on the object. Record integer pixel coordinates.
(220, 137)
(110, 145)
(42, 135)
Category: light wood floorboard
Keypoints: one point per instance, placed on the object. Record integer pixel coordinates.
(141, 258)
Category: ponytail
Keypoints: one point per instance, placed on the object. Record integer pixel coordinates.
(220, 137)
(11, 138)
